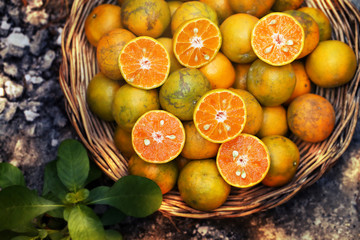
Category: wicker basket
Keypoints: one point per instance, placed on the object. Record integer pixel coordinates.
(79, 66)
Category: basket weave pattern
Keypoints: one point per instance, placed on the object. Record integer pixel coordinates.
(79, 66)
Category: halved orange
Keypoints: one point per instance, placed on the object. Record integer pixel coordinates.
(244, 161)
(144, 63)
(158, 136)
(196, 42)
(220, 115)
(278, 39)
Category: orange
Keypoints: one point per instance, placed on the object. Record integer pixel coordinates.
(220, 72)
(182, 90)
(196, 42)
(321, 19)
(236, 37)
(270, 85)
(168, 44)
(220, 115)
(254, 112)
(181, 162)
(332, 64)
(144, 63)
(311, 117)
(197, 147)
(274, 122)
(201, 186)
(190, 10)
(303, 84)
(311, 30)
(277, 39)
(100, 94)
(244, 161)
(130, 103)
(122, 140)
(283, 5)
(222, 8)
(163, 174)
(257, 8)
(145, 17)
(284, 160)
(102, 19)
(158, 136)
(108, 50)
(241, 72)
(173, 6)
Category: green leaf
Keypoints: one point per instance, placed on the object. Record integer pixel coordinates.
(134, 195)
(52, 182)
(73, 164)
(112, 216)
(97, 193)
(19, 206)
(10, 175)
(58, 212)
(22, 238)
(113, 235)
(84, 224)
(94, 173)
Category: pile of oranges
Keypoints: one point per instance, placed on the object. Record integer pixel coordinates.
(205, 93)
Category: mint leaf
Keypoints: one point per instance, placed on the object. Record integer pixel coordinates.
(113, 235)
(84, 224)
(10, 175)
(19, 206)
(112, 216)
(52, 183)
(73, 164)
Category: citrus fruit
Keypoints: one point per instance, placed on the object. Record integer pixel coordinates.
(144, 63)
(181, 162)
(181, 91)
(197, 147)
(145, 17)
(190, 10)
(173, 6)
(100, 94)
(283, 5)
(220, 115)
(241, 72)
(277, 39)
(158, 136)
(165, 175)
(321, 19)
(254, 112)
(108, 50)
(311, 117)
(244, 161)
(222, 8)
(257, 8)
(168, 44)
(311, 30)
(236, 37)
(122, 140)
(201, 186)
(303, 84)
(196, 42)
(274, 122)
(130, 103)
(284, 160)
(271, 85)
(220, 72)
(102, 19)
(332, 64)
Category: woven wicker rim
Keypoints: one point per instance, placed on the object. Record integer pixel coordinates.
(79, 66)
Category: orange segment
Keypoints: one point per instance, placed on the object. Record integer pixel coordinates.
(244, 161)
(144, 63)
(196, 42)
(277, 39)
(220, 115)
(158, 136)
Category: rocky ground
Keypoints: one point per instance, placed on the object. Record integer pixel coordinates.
(33, 122)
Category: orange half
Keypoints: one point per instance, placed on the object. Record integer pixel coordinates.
(196, 42)
(278, 39)
(144, 63)
(158, 136)
(244, 161)
(220, 115)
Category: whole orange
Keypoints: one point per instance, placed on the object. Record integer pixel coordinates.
(321, 19)
(283, 5)
(311, 117)
(168, 44)
(332, 64)
(122, 140)
(241, 72)
(257, 8)
(222, 8)
(102, 19)
(274, 122)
